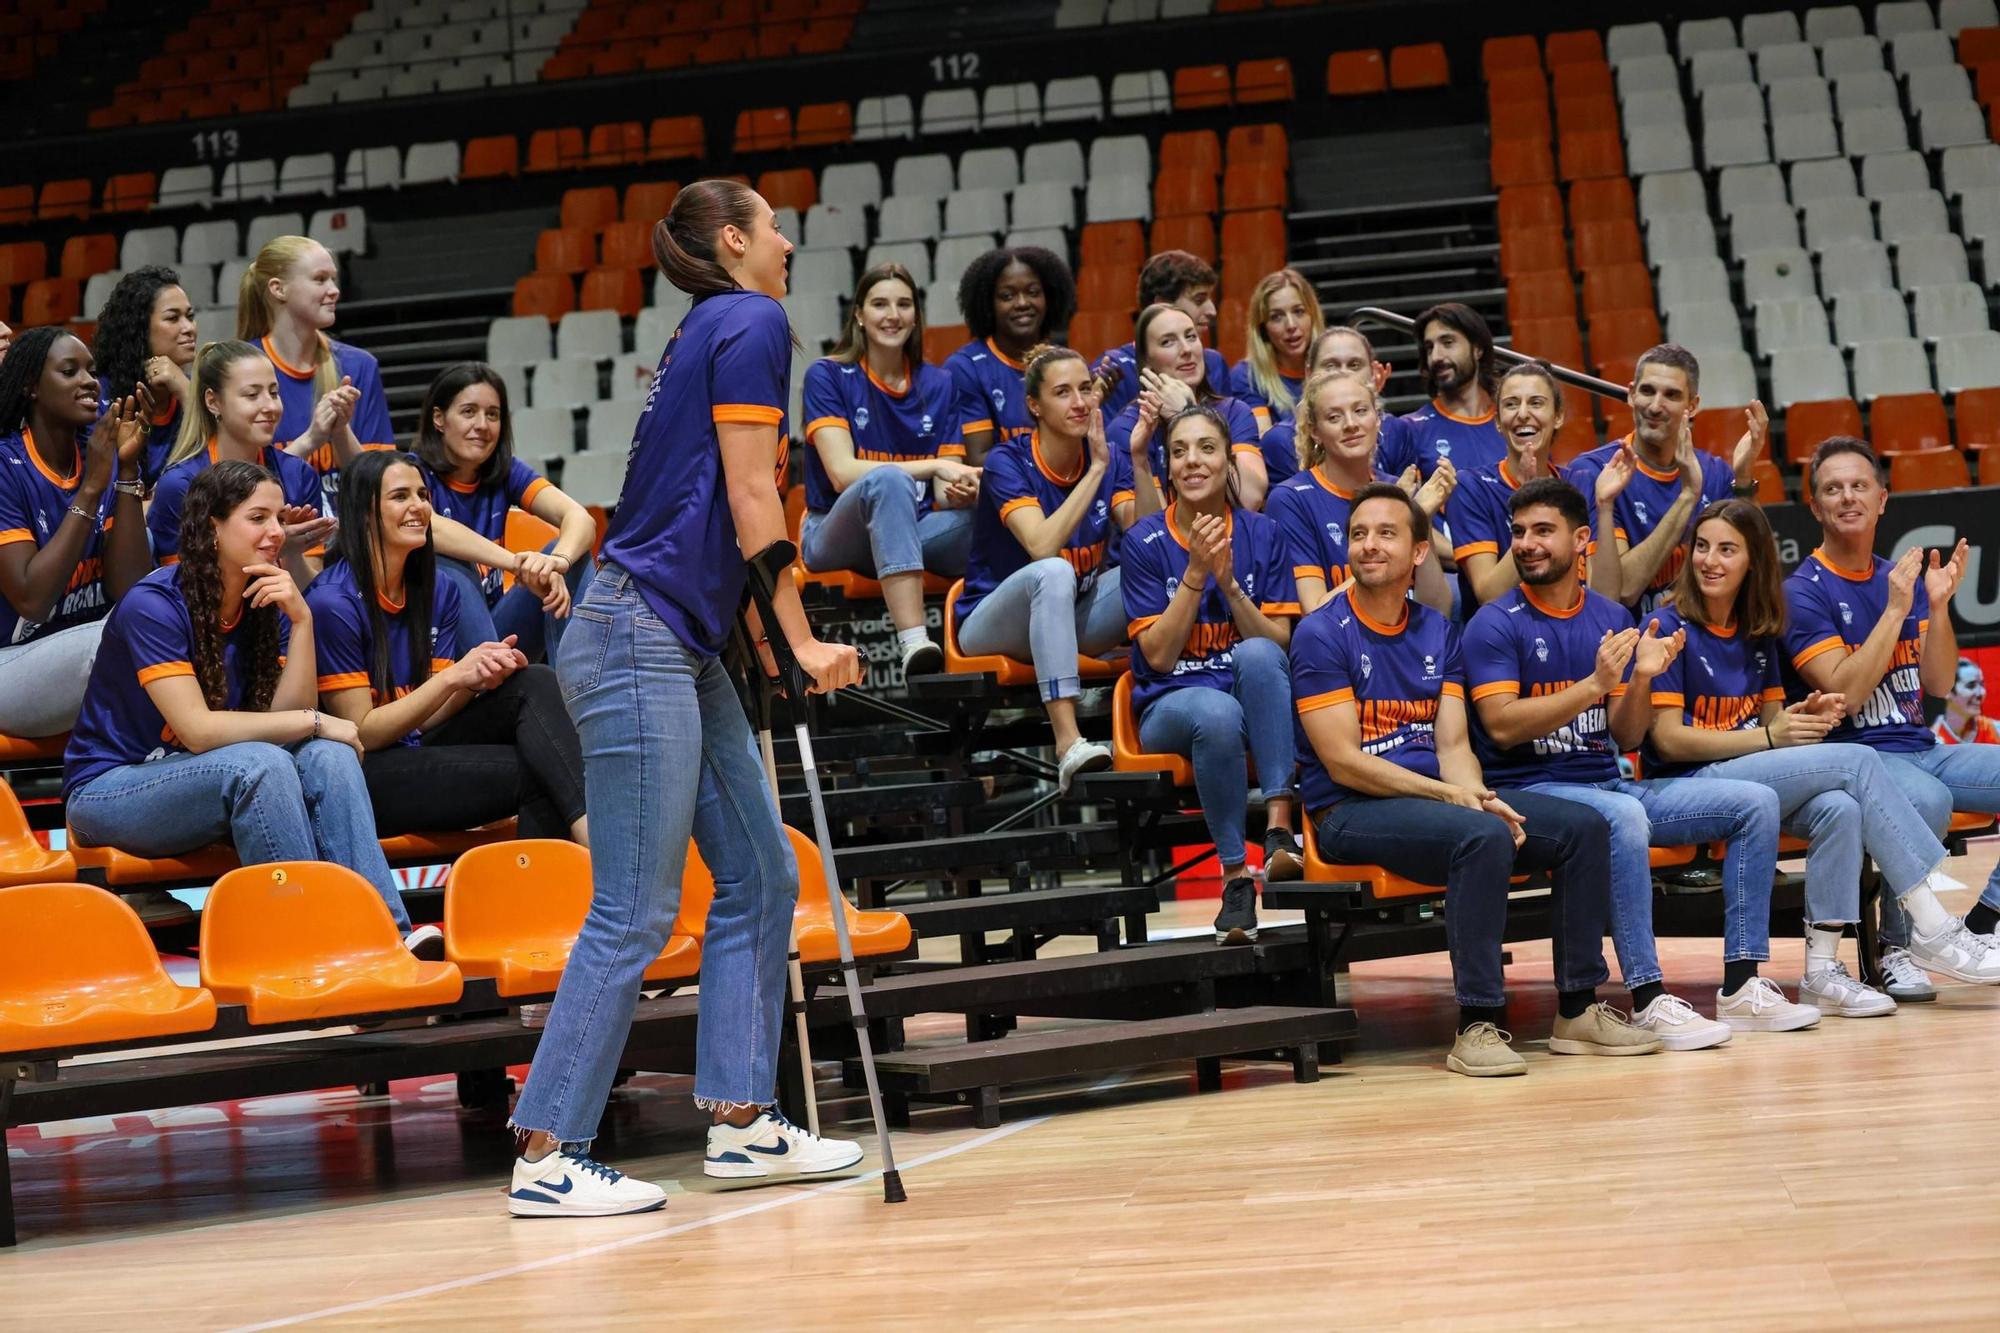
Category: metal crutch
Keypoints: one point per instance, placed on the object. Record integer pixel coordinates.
(765, 568)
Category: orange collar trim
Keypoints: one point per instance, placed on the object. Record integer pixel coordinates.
(1375, 625)
(1319, 475)
(1449, 415)
(393, 608)
(1228, 518)
(1005, 360)
(1582, 596)
(1082, 462)
(1851, 575)
(283, 366)
(462, 487)
(68, 483)
(1723, 631)
(876, 380)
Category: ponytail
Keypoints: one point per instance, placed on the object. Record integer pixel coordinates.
(684, 240)
(256, 312)
(210, 369)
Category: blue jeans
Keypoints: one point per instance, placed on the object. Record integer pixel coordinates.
(1040, 613)
(1472, 854)
(518, 610)
(1843, 802)
(1212, 727)
(1678, 812)
(666, 752)
(1938, 781)
(305, 802)
(873, 529)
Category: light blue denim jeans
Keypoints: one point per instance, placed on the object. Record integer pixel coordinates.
(1679, 812)
(1212, 727)
(1843, 802)
(1040, 613)
(518, 611)
(1938, 781)
(874, 529)
(305, 802)
(667, 753)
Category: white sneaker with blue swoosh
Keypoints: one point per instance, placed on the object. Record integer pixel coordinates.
(569, 1184)
(771, 1145)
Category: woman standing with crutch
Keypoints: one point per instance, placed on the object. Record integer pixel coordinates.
(667, 749)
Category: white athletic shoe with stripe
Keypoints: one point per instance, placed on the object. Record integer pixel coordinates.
(569, 1184)
(771, 1145)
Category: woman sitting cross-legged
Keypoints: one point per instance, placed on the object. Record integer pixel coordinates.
(888, 493)
(1036, 585)
(1208, 590)
(199, 723)
(453, 739)
(465, 440)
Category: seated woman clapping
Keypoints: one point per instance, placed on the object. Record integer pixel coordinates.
(1208, 590)
(465, 440)
(455, 737)
(1173, 375)
(199, 721)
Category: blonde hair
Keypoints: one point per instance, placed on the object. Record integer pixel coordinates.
(210, 369)
(1311, 453)
(256, 312)
(1263, 359)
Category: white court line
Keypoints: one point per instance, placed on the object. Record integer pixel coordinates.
(592, 1251)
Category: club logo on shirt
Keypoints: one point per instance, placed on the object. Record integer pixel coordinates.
(861, 418)
(1430, 666)
(1443, 447)
(1639, 506)
(1846, 614)
(1336, 534)
(1704, 664)
(1541, 649)
(1763, 663)
(999, 400)
(924, 426)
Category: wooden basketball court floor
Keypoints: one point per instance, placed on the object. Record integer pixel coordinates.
(1831, 1179)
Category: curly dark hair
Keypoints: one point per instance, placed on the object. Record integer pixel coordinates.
(21, 370)
(982, 277)
(125, 325)
(214, 495)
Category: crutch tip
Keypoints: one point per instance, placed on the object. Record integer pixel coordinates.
(892, 1187)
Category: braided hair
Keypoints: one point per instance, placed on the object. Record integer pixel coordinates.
(125, 325)
(21, 370)
(216, 494)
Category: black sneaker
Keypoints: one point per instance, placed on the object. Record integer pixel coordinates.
(1236, 923)
(1281, 857)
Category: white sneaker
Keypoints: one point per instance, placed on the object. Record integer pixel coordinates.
(568, 1184)
(1957, 953)
(771, 1145)
(1761, 1007)
(426, 942)
(1081, 757)
(1903, 979)
(1679, 1027)
(1834, 990)
(924, 658)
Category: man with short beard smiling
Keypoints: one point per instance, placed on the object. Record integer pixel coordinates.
(1456, 351)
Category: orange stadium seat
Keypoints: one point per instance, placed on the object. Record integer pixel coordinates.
(1617, 287)
(1578, 433)
(1232, 326)
(1530, 206)
(1978, 46)
(130, 192)
(1541, 296)
(1264, 81)
(1563, 48)
(1617, 416)
(1986, 83)
(1258, 143)
(1619, 336)
(122, 869)
(1253, 244)
(626, 245)
(1978, 412)
(1903, 423)
(666, 53)
(566, 250)
(1770, 482)
(1005, 670)
(1928, 470)
(1237, 6)
(566, 64)
(1128, 755)
(513, 910)
(1423, 65)
(1602, 244)
(1556, 340)
(648, 201)
(1250, 185)
(1382, 884)
(726, 47)
(1194, 234)
(1116, 243)
(765, 129)
(1180, 191)
(1522, 162)
(64, 199)
(1095, 332)
(672, 137)
(873, 934)
(23, 858)
(1191, 150)
(17, 203)
(550, 295)
(1809, 423)
(85, 972)
(23, 261)
(86, 256)
(941, 340)
(620, 289)
(1582, 79)
(1498, 53)
(823, 123)
(296, 941)
(52, 301)
(556, 150)
(1355, 74)
(1107, 287)
(794, 187)
(1605, 200)
(616, 144)
(490, 157)
(1532, 250)
(589, 208)
(1717, 429)
(1587, 153)
(1199, 87)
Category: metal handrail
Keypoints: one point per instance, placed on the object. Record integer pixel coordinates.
(1576, 378)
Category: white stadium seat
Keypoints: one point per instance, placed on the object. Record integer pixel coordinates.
(1121, 155)
(924, 174)
(851, 184)
(1695, 36)
(650, 332)
(97, 291)
(1873, 130)
(1648, 74)
(1008, 106)
(1769, 29)
(1655, 148)
(1831, 221)
(907, 218)
(912, 255)
(1892, 366)
(1968, 168)
(973, 212)
(1953, 124)
(1830, 21)
(379, 168)
(1912, 53)
(1940, 86)
(1115, 198)
(1141, 93)
(1787, 60)
(1949, 310)
(1830, 179)
(1899, 172)
(1671, 194)
(955, 254)
(1866, 317)
(1898, 16)
(1927, 261)
(210, 242)
(564, 382)
(1775, 274)
(594, 334)
(822, 271)
(833, 226)
(1800, 97)
(950, 111)
(1865, 89)
(1914, 213)
(1692, 282)
(542, 433)
(253, 179)
(594, 478)
(307, 173)
(1807, 375)
(1705, 324)
(342, 230)
(989, 169)
(1622, 41)
(1059, 160)
(609, 428)
(427, 163)
(1763, 227)
(1850, 55)
(522, 338)
(1071, 99)
(1689, 237)
(1804, 138)
(182, 186)
(1652, 108)
(1042, 203)
(1970, 361)
(1738, 188)
(1854, 266)
(1728, 379)
(877, 118)
(1956, 15)
(266, 227)
(1053, 239)
(1783, 325)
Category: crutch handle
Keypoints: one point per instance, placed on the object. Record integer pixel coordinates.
(763, 570)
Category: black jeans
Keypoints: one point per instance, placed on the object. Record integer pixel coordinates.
(1472, 854)
(511, 751)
